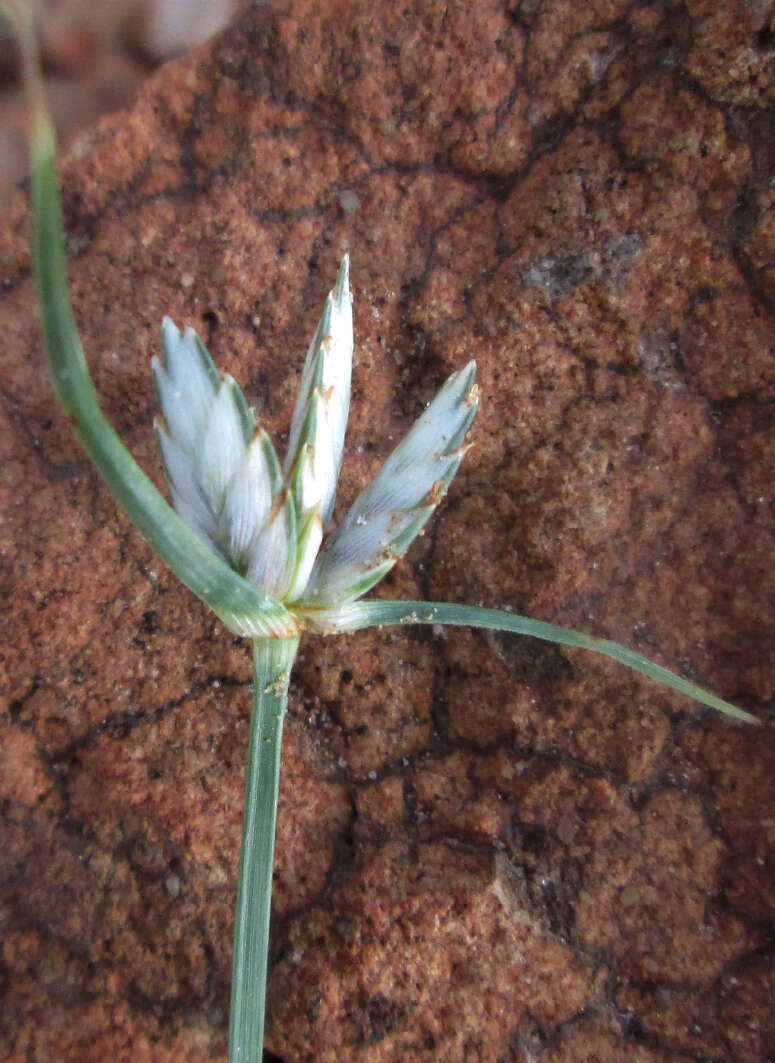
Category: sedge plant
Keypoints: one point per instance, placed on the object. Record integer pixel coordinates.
(249, 534)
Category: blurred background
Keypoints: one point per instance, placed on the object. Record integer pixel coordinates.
(95, 54)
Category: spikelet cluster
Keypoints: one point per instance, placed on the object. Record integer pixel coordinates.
(268, 520)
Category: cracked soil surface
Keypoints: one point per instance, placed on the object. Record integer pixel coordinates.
(489, 849)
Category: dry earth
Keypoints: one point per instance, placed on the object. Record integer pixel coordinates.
(488, 849)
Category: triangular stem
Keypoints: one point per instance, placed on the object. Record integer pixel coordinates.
(272, 663)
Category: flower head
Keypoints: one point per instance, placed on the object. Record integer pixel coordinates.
(267, 522)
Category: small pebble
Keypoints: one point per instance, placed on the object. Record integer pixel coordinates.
(349, 202)
(629, 896)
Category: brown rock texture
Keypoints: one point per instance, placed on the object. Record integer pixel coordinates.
(489, 849)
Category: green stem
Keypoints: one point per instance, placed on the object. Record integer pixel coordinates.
(352, 616)
(272, 663)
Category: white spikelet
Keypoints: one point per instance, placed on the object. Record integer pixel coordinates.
(323, 405)
(394, 508)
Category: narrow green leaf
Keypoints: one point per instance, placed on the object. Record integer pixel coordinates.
(243, 608)
(352, 616)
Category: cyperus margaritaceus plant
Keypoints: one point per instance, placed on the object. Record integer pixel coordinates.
(248, 534)
(266, 521)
